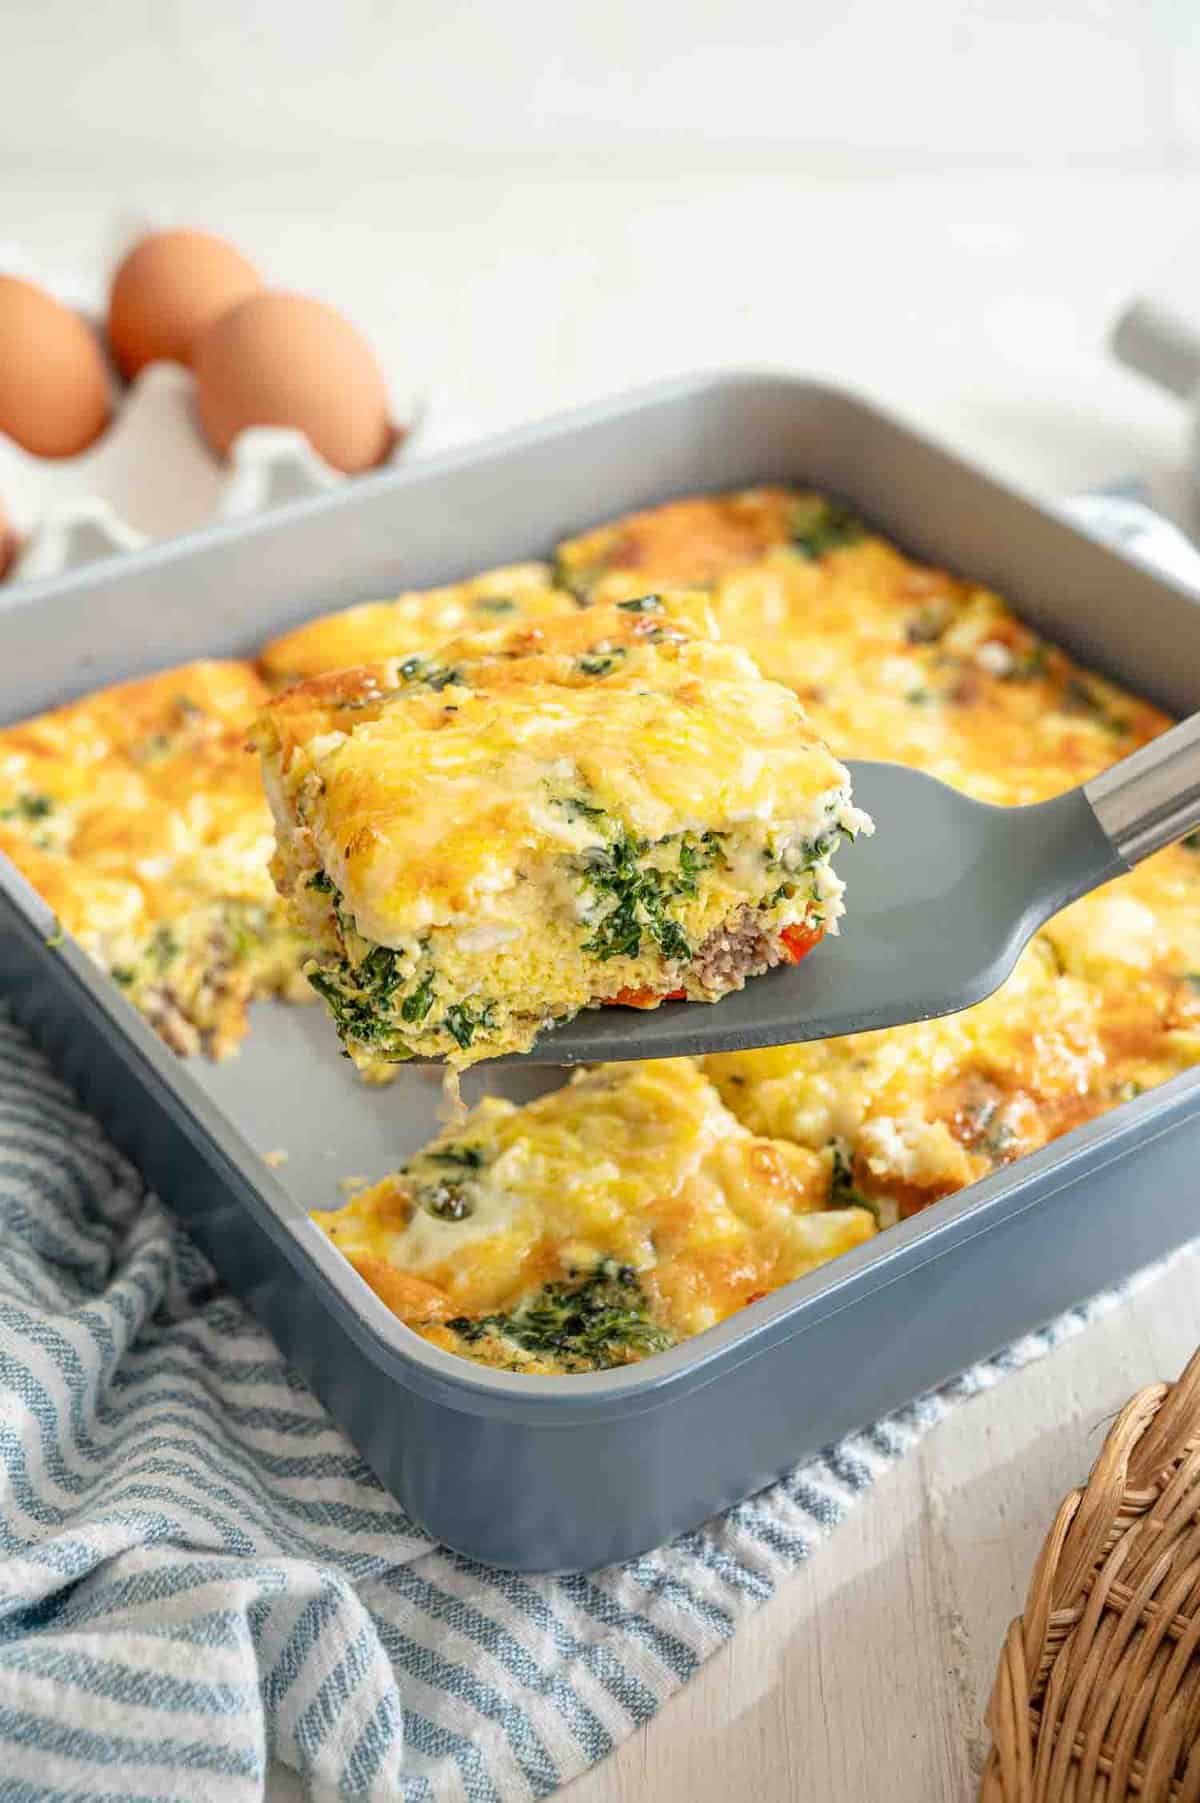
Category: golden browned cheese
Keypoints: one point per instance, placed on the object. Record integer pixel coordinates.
(898, 660)
(414, 622)
(891, 658)
(138, 814)
(686, 544)
(634, 1177)
(600, 807)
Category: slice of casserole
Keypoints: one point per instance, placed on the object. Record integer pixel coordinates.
(418, 621)
(138, 814)
(601, 808)
(602, 1222)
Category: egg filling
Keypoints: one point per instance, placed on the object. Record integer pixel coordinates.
(603, 808)
(599, 1224)
(138, 815)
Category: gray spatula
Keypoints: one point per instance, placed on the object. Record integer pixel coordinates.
(940, 903)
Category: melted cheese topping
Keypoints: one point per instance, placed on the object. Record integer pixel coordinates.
(418, 621)
(637, 1164)
(138, 815)
(691, 543)
(481, 817)
(892, 659)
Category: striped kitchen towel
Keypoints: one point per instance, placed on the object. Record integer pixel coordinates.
(199, 1577)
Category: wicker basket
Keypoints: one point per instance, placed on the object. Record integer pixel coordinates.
(1097, 1697)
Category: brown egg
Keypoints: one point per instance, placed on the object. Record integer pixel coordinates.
(168, 290)
(54, 397)
(284, 360)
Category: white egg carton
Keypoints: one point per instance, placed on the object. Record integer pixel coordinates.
(151, 473)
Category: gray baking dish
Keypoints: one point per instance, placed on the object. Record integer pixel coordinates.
(561, 1473)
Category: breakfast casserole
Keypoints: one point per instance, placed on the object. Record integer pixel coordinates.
(602, 1222)
(448, 911)
(418, 621)
(138, 815)
(605, 807)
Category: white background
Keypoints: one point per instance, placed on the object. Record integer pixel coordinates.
(1077, 80)
(531, 203)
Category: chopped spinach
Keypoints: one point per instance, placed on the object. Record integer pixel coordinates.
(123, 975)
(448, 1201)
(353, 1012)
(843, 1191)
(919, 697)
(1192, 842)
(642, 604)
(495, 604)
(600, 662)
(640, 896)
(321, 883)
(695, 857)
(811, 852)
(642, 893)
(588, 1324)
(358, 995)
(418, 1001)
(1032, 663)
(420, 672)
(163, 948)
(28, 807)
(1192, 979)
(463, 1020)
(380, 972)
(363, 1000)
(820, 526)
(672, 941)
(245, 926)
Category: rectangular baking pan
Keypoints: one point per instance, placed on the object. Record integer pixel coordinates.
(549, 1473)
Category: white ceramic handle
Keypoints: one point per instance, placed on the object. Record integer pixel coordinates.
(1152, 798)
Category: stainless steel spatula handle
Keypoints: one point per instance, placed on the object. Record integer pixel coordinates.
(1152, 798)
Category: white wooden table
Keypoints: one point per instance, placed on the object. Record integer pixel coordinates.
(976, 302)
(867, 1676)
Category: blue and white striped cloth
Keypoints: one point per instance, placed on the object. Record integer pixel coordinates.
(199, 1577)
